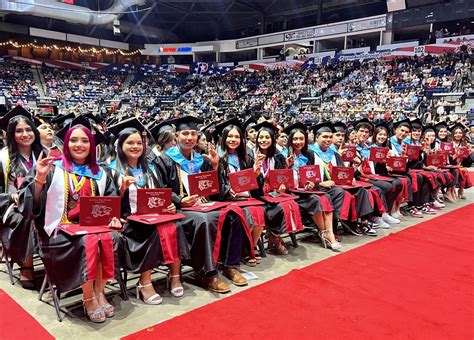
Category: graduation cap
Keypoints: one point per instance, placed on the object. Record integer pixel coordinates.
(295, 126)
(16, 111)
(441, 125)
(428, 128)
(363, 121)
(249, 122)
(128, 123)
(324, 127)
(157, 128)
(405, 122)
(265, 124)
(186, 123)
(219, 128)
(92, 117)
(62, 119)
(38, 121)
(385, 125)
(458, 126)
(340, 126)
(99, 138)
(416, 123)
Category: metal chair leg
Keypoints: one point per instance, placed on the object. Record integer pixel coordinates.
(123, 286)
(55, 295)
(293, 240)
(261, 246)
(43, 287)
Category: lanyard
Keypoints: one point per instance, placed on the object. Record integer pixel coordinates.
(76, 182)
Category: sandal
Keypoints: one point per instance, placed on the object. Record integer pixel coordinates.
(155, 299)
(250, 261)
(97, 315)
(107, 308)
(176, 291)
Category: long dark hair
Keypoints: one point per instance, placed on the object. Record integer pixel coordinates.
(241, 150)
(91, 157)
(13, 152)
(378, 129)
(289, 144)
(272, 149)
(121, 159)
(463, 140)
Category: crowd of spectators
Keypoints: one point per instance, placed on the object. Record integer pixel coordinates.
(16, 82)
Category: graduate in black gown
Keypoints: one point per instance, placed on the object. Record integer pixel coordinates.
(212, 235)
(146, 246)
(459, 140)
(346, 204)
(281, 215)
(233, 157)
(16, 160)
(316, 207)
(52, 197)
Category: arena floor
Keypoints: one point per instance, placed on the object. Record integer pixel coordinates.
(133, 315)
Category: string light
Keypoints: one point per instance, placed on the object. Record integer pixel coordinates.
(71, 49)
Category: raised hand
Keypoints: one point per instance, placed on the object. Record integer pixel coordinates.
(213, 156)
(43, 166)
(127, 180)
(282, 188)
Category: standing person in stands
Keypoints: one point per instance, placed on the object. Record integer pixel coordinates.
(17, 159)
(52, 197)
(233, 158)
(146, 246)
(211, 234)
(316, 208)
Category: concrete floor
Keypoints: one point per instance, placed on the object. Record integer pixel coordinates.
(133, 315)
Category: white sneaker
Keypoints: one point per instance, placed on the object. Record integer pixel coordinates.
(390, 219)
(437, 204)
(381, 223)
(397, 215)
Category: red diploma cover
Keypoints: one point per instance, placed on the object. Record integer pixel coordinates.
(281, 176)
(350, 153)
(448, 147)
(436, 160)
(464, 152)
(397, 163)
(204, 184)
(153, 201)
(378, 155)
(244, 180)
(155, 219)
(413, 152)
(309, 173)
(342, 175)
(210, 206)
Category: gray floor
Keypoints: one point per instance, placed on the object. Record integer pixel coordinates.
(133, 315)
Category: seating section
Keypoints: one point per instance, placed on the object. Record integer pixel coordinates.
(17, 82)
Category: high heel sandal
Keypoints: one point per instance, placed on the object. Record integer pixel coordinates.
(97, 315)
(155, 299)
(276, 243)
(107, 308)
(176, 291)
(327, 243)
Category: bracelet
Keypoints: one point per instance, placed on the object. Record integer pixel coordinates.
(40, 181)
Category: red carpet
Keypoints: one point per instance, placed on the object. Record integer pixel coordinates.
(415, 284)
(16, 323)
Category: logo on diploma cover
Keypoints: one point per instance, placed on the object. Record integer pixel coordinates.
(205, 184)
(243, 181)
(155, 202)
(342, 175)
(310, 173)
(99, 210)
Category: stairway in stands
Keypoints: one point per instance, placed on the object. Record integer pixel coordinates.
(39, 81)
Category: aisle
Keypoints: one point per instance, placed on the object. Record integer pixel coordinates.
(417, 283)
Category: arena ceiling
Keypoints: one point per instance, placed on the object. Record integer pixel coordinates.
(166, 21)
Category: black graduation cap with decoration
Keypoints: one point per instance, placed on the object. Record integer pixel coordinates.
(295, 126)
(99, 138)
(128, 123)
(219, 128)
(186, 123)
(265, 124)
(15, 112)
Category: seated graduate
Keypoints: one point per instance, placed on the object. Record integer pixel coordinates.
(459, 140)
(17, 158)
(341, 199)
(212, 235)
(233, 157)
(281, 217)
(52, 197)
(317, 207)
(146, 246)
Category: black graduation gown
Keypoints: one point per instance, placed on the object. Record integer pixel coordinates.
(17, 232)
(71, 261)
(143, 248)
(211, 235)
